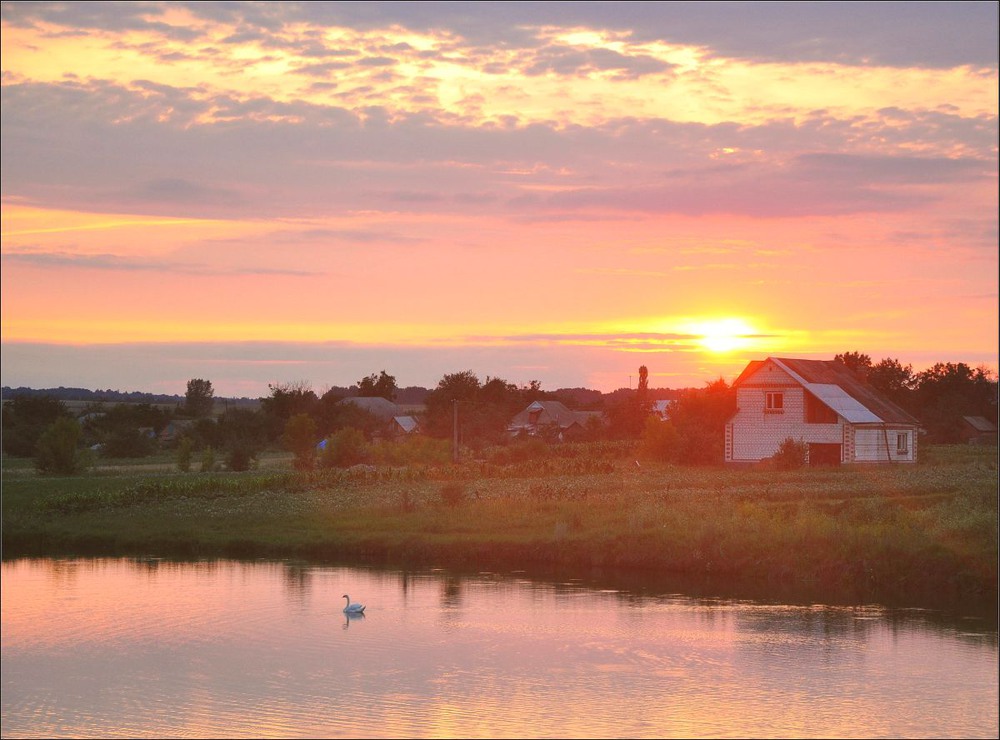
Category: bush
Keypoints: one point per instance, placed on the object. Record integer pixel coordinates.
(300, 439)
(345, 448)
(184, 454)
(791, 454)
(660, 441)
(207, 460)
(241, 457)
(57, 450)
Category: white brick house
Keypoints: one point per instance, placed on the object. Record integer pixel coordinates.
(822, 403)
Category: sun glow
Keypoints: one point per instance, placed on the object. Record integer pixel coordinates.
(723, 335)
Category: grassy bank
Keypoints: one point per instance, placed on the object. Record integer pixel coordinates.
(895, 532)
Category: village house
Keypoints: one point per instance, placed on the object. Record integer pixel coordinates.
(395, 422)
(550, 419)
(821, 403)
(978, 430)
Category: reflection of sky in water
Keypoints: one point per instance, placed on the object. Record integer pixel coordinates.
(226, 649)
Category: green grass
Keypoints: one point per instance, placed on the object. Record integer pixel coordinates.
(903, 532)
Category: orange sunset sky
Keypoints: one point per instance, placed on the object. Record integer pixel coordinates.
(259, 193)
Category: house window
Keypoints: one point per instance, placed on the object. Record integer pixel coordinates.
(902, 443)
(774, 402)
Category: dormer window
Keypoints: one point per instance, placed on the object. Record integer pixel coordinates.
(774, 402)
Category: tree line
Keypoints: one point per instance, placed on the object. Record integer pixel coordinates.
(294, 417)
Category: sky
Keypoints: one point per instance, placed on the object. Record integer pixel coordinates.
(278, 193)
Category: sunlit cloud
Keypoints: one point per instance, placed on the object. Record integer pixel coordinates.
(532, 179)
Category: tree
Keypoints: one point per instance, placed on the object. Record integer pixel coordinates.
(382, 385)
(199, 400)
(57, 450)
(948, 391)
(628, 410)
(856, 361)
(25, 419)
(242, 433)
(286, 400)
(700, 416)
(484, 409)
(893, 380)
(300, 439)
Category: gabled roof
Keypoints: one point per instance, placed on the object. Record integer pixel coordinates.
(407, 423)
(837, 386)
(550, 412)
(376, 405)
(980, 424)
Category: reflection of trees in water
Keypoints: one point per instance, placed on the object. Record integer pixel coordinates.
(451, 593)
(297, 580)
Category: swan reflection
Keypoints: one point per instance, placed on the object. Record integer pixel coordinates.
(351, 617)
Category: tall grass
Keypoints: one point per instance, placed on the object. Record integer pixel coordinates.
(904, 531)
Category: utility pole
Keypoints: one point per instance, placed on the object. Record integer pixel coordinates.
(454, 430)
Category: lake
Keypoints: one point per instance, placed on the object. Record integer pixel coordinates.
(152, 648)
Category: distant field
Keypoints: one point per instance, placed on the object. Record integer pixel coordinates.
(912, 533)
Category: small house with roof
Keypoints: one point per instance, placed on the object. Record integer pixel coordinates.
(822, 403)
(978, 430)
(550, 419)
(392, 417)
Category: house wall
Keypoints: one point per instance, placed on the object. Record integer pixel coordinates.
(879, 444)
(755, 433)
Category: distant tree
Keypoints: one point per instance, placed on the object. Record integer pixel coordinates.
(484, 409)
(700, 416)
(856, 361)
(58, 449)
(626, 411)
(199, 399)
(893, 380)
(26, 418)
(243, 435)
(948, 391)
(124, 429)
(286, 400)
(382, 385)
(300, 439)
(462, 387)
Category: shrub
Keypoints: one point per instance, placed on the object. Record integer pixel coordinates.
(660, 441)
(57, 450)
(300, 439)
(241, 457)
(207, 460)
(345, 448)
(184, 454)
(791, 454)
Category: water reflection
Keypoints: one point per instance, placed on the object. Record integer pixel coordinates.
(230, 649)
(352, 617)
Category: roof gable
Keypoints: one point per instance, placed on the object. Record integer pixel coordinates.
(836, 385)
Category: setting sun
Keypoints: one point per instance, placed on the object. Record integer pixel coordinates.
(723, 335)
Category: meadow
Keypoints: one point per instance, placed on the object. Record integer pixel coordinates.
(902, 533)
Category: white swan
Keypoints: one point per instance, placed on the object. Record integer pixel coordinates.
(353, 608)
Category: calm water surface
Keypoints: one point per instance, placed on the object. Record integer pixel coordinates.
(103, 648)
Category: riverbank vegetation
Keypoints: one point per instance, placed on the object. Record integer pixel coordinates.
(907, 533)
